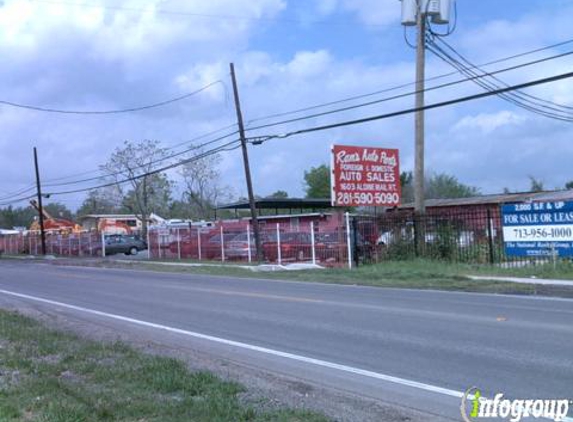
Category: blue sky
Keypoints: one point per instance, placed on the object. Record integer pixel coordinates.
(86, 55)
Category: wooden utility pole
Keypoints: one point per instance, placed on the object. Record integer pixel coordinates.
(40, 208)
(419, 205)
(254, 218)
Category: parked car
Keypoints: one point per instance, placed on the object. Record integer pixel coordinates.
(330, 246)
(296, 246)
(188, 245)
(238, 247)
(212, 248)
(126, 244)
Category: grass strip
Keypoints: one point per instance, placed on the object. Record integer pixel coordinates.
(51, 376)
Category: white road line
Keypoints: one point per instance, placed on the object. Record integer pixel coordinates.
(286, 355)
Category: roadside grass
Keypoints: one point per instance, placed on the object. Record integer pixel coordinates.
(561, 270)
(413, 274)
(50, 376)
(418, 274)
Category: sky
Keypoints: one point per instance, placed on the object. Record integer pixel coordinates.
(94, 55)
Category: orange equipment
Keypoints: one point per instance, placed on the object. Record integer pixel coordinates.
(112, 226)
(52, 224)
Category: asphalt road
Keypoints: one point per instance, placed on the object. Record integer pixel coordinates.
(413, 349)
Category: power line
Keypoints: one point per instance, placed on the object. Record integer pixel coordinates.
(470, 66)
(119, 111)
(513, 98)
(19, 192)
(459, 81)
(520, 99)
(17, 200)
(172, 147)
(371, 94)
(415, 109)
(159, 160)
(224, 147)
(10, 199)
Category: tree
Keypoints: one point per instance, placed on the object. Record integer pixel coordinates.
(101, 201)
(536, 185)
(280, 194)
(317, 182)
(436, 186)
(569, 185)
(202, 186)
(133, 163)
(444, 186)
(407, 185)
(158, 188)
(17, 217)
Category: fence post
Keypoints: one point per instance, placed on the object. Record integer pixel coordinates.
(60, 243)
(249, 243)
(348, 244)
(102, 244)
(90, 242)
(279, 256)
(148, 243)
(355, 242)
(80, 244)
(312, 242)
(490, 237)
(199, 243)
(69, 244)
(158, 245)
(222, 246)
(29, 243)
(178, 244)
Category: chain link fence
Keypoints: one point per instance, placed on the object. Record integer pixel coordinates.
(281, 243)
(473, 236)
(69, 244)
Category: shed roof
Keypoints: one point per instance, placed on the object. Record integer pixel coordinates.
(497, 199)
(280, 203)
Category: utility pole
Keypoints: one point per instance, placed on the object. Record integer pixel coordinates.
(40, 208)
(254, 218)
(417, 13)
(419, 205)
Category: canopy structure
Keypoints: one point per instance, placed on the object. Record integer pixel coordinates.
(277, 204)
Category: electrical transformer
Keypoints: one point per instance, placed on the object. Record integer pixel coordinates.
(438, 10)
(443, 17)
(409, 12)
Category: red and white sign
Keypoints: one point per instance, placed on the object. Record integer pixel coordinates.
(364, 176)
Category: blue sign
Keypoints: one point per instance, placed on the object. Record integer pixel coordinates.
(538, 229)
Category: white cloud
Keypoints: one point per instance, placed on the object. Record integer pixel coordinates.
(309, 63)
(74, 57)
(487, 123)
(374, 12)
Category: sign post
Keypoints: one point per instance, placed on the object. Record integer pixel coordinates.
(365, 176)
